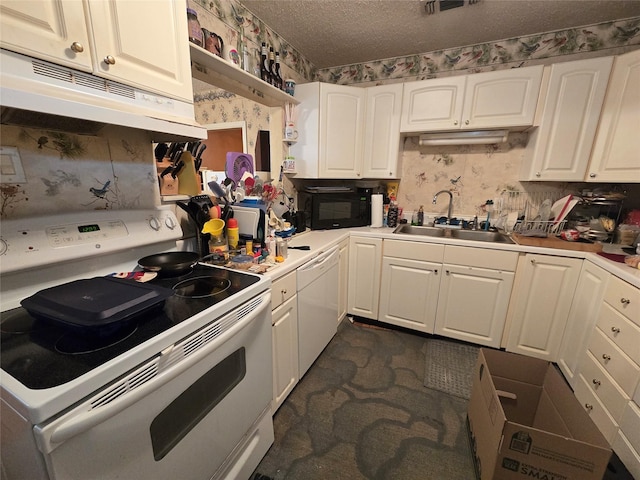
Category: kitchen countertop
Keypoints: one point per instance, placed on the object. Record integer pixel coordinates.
(322, 240)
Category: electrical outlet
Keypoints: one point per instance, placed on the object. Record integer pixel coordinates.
(11, 170)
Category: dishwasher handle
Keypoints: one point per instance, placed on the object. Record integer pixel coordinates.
(313, 269)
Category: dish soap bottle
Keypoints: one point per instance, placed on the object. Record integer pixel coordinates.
(421, 215)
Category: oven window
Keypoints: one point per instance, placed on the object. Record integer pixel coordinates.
(184, 413)
(334, 210)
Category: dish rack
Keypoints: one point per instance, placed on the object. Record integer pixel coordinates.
(539, 227)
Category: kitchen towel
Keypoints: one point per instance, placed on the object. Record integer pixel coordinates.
(376, 210)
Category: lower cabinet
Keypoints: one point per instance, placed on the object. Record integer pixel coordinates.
(364, 276)
(582, 319)
(475, 289)
(343, 279)
(541, 302)
(409, 286)
(284, 336)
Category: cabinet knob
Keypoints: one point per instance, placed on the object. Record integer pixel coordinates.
(588, 406)
(455, 122)
(606, 357)
(625, 301)
(592, 175)
(538, 174)
(533, 261)
(447, 272)
(435, 271)
(466, 122)
(596, 382)
(284, 291)
(615, 329)
(77, 47)
(109, 60)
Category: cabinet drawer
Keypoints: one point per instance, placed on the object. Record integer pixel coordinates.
(608, 391)
(619, 366)
(620, 331)
(597, 412)
(427, 252)
(630, 425)
(627, 454)
(283, 289)
(625, 298)
(481, 258)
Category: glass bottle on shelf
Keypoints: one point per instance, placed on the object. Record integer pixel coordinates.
(278, 73)
(264, 63)
(272, 66)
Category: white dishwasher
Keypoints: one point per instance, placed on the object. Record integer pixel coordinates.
(317, 285)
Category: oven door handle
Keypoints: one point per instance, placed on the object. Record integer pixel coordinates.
(84, 417)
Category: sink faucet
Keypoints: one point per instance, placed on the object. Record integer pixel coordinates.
(435, 199)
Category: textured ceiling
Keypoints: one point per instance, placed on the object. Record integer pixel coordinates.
(331, 33)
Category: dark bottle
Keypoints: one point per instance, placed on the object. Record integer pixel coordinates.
(264, 63)
(272, 66)
(278, 81)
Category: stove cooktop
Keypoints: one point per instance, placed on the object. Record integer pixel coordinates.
(40, 354)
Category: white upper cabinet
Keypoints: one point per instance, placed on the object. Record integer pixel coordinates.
(615, 156)
(347, 132)
(52, 30)
(110, 39)
(505, 98)
(382, 132)
(560, 148)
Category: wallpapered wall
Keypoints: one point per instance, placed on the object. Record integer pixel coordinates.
(66, 172)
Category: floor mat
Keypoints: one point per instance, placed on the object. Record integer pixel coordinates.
(449, 367)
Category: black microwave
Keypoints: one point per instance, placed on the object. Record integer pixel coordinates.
(335, 207)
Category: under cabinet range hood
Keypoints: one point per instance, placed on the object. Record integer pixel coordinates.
(472, 137)
(39, 94)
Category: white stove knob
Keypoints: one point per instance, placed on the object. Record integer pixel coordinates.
(3, 247)
(169, 222)
(154, 223)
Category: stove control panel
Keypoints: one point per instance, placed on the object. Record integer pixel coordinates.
(33, 242)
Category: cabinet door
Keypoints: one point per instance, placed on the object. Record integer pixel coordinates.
(505, 98)
(341, 131)
(582, 319)
(616, 147)
(546, 285)
(365, 256)
(285, 350)
(409, 293)
(560, 148)
(382, 131)
(473, 303)
(155, 59)
(430, 105)
(52, 30)
(343, 279)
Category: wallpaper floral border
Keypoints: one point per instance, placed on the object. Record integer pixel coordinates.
(510, 53)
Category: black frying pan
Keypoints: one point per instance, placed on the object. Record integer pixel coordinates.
(169, 263)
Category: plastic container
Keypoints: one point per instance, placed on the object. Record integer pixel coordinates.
(241, 262)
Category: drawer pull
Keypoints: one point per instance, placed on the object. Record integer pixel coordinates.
(625, 301)
(606, 357)
(109, 60)
(588, 406)
(615, 329)
(284, 291)
(77, 47)
(596, 382)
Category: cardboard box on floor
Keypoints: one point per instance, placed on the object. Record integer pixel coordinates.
(525, 422)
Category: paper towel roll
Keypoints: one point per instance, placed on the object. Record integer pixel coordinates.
(376, 210)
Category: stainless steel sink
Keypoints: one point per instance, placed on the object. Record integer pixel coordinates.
(419, 230)
(481, 236)
(476, 235)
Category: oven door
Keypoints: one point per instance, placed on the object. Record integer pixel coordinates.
(182, 414)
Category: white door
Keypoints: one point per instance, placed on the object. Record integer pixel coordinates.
(341, 131)
(560, 148)
(382, 131)
(365, 256)
(52, 30)
(409, 293)
(542, 302)
(432, 104)
(582, 319)
(615, 150)
(473, 304)
(147, 42)
(285, 350)
(505, 98)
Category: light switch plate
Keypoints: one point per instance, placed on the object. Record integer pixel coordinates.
(11, 170)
